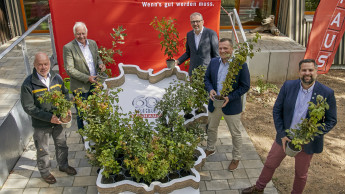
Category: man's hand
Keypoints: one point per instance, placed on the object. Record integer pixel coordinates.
(284, 140)
(212, 94)
(55, 120)
(102, 67)
(177, 62)
(92, 79)
(226, 101)
(69, 112)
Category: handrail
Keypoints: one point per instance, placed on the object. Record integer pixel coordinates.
(21, 40)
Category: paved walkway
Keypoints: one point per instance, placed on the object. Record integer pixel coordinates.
(25, 177)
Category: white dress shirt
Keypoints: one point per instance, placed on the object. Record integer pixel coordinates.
(197, 38)
(88, 57)
(45, 81)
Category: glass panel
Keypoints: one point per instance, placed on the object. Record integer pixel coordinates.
(35, 10)
(251, 12)
(311, 5)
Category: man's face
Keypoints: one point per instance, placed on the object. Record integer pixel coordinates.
(225, 50)
(197, 23)
(81, 34)
(42, 64)
(307, 73)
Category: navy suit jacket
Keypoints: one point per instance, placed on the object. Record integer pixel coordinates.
(285, 105)
(241, 86)
(208, 48)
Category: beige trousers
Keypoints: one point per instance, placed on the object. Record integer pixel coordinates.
(235, 126)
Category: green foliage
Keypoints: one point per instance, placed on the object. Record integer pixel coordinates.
(243, 51)
(107, 54)
(198, 85)
(57, 99)
(309, 127)
(262, 86)
(169, 35)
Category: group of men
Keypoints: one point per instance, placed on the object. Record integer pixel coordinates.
(82, 61)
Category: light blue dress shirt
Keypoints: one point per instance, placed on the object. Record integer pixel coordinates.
(222, 71)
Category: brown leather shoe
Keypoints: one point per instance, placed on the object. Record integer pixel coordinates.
(50, 179)
(209, 153)
(233, 165)
(69, 170)
(252, 190)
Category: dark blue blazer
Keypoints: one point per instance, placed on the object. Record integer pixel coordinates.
(241, 86)
(208, 49)
(285, 105)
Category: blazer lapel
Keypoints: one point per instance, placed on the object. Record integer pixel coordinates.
(77, 48)
(192, 41)
(216, 68)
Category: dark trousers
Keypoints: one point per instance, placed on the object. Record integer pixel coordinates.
(41, 139)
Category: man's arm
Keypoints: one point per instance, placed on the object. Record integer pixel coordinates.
(330, 118)
(278, 112)
(186, 55)
(208, 79)
(28, 104)
(214, 44)
(70, 66)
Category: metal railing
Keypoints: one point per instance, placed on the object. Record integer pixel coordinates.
(21, 41)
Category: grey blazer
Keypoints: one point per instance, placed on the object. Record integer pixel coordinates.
(76, 66)
(208, 49)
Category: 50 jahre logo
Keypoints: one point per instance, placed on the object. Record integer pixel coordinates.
(146, 106)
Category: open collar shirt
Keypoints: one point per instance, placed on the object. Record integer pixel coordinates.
(88, 57)
(222, 71)
(197, 38)
(45, 81)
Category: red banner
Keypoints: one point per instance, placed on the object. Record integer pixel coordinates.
(141, 46)
(326, 33)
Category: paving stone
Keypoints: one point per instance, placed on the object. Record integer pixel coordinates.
(92, 190)
(221, 174)
(250, 155)
(19, 174)
(11, 191)
(66, 181)
(75, 147)
(94, 170)
(73, 190)
(54, 190)
(224, 148)
(202, 186)
(271, 191)
(71, 155)
(73, 140)
(248, 147)
(74, 162)
(253, 172)
(217, 157)
(226, 141)
(85, 181)
(239, 183)
(84, 163)
(228, 192)
(226, 164)
(74, 134)
(36, 182)
(15, 183)
(240, 173)
(252, 164)
(83, 171)
(217, 185)
(205, 175)
(212, 166)
(25, 165)
(31, 190)
(207, 192)
(80, 154)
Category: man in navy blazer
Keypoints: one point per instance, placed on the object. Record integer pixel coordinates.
(290, 107)
(232, 107)
(201, 45)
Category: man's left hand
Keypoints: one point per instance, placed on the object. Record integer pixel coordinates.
(102, 67)
(226, 101)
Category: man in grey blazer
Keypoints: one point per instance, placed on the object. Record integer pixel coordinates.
(82, 62)
(201, 45)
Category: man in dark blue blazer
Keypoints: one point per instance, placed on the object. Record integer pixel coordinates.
(232, 107)
(290, 107)
(201, 45)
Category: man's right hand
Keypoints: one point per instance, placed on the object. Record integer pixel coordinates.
(212, 94)
(284, 140)
(176, 62)
(55, 120)
(92, 79)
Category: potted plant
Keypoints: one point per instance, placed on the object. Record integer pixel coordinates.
(198, 85)
(242, 51)
(61, 105)
(169, 35)
(107, 55)
(308, 128)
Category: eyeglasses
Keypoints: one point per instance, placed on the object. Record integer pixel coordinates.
(196, 21)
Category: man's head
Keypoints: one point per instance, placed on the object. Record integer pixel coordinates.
(307, 72)
(80, 32)
(42, 64)
(197, 22)
(225, 48)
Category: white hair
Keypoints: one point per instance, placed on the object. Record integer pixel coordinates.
(196, 14)
(79, 24)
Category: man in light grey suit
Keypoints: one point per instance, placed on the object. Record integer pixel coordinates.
(201, 45)
(82, 62)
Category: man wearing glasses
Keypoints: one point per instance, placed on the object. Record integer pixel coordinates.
(201, 45)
